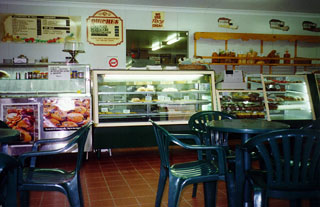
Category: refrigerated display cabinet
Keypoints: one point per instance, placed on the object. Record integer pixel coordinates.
(288, 97)
(271, 97)
(131, 98)
(44, 100)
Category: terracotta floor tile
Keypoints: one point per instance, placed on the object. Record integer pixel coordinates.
(103, 203)
(126, 202)
(122, 194)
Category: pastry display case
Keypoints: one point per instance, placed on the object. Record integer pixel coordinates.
(288, 97)
(44, 100)
(131, 98)
(243, 104)
(271, 97)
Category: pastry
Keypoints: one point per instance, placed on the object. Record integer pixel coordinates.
(75, 117)
(68, 124)
(135, 99)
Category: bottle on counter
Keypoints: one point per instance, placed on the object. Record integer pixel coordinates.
(286, 55)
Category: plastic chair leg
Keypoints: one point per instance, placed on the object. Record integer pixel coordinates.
(194, 190)
(295, 203)
(24, 198)
(210, 193)
(231, 189)
(259, 198)
(161, 184)
(175, 187)
(73, 193)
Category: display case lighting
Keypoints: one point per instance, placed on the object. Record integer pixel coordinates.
(150, 77)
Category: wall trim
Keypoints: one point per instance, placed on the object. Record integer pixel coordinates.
(158, 8)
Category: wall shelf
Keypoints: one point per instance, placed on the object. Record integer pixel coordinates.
(262, 37)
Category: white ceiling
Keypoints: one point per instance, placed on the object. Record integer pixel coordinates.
(301, 6)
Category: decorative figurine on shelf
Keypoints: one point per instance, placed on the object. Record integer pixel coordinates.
(278, 24)
(73, 48)
(310, 26)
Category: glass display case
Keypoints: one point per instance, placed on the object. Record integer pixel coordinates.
(26, 79)
(131, 98)
(288, 97)
(243, 104)
(44, 100)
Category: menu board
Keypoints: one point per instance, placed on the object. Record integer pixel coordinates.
(40, 28)
(104, 28)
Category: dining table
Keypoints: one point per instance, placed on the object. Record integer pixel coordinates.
(246, 128)
(7, 136)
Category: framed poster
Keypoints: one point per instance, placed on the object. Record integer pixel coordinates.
(30, 28)
(104, 28)
(65, 114)
(24, 117)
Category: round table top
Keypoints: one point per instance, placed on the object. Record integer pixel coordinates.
(9, 135)
(247, 126)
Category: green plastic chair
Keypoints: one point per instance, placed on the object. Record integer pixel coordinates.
(8, 180)
(32, 178)
(290, 168)
(197, 123)
(182, 174)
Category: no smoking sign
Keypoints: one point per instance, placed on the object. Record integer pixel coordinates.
(113, 62)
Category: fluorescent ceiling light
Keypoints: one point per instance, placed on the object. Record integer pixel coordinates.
(156, 46)
(170, 42)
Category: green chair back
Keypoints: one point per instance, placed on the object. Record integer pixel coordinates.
(291, 158)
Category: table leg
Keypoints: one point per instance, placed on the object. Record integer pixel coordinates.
(247, 191)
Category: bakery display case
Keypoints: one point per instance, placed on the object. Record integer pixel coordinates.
(288, 97)
(131, 98)
(44, 101)
(243, 104)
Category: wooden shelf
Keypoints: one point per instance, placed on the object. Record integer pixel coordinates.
(262, 37)
(254, 36)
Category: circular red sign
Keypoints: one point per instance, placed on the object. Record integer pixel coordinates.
(113, 62)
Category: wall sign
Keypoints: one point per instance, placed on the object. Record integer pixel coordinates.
(113, 62)
(157, 19)
(104, 28)
(39, 28)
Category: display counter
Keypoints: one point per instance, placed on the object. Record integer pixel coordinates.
(44, 101)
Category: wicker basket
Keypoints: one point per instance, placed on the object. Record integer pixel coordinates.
(192, 67)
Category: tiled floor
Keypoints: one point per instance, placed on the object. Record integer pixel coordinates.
(128, 178)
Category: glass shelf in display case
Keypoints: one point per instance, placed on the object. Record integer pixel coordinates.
(288, 97)
(25, 80)
(131, 98)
